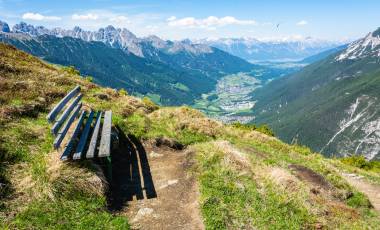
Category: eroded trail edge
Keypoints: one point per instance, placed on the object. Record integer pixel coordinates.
(370, 190)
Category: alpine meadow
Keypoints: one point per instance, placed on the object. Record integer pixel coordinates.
(189, 115)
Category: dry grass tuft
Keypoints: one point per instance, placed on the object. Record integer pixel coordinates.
(187, 118)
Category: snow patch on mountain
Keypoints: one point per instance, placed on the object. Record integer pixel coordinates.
(365, 47)
(362, 124)
(271, 49)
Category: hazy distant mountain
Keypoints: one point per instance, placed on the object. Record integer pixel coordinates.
(332, 105)
(281, 50)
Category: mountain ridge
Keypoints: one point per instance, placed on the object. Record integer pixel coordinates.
(331, 105)
(180, 72)
(253, 49)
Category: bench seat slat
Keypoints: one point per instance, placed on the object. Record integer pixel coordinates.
(54, 112)
(70, 144)
(65, 114)
(94, 138)
(84, 136)
(62, 132)
(105, 141)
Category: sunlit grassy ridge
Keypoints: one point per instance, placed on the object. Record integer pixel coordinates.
(246, 178)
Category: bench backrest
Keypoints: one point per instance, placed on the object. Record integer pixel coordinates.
(84, 128)
(53, 113)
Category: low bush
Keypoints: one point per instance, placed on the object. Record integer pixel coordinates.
(361, 162)
(252, 127)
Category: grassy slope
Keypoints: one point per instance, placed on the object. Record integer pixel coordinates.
(237, 169)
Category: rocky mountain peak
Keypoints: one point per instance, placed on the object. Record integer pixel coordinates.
(4, 27)
(369, 46)
(376, 33)
(115, 37)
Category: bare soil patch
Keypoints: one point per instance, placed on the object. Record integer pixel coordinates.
(305, 174)
(152, 187)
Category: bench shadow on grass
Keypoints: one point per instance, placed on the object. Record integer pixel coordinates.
(131, 174)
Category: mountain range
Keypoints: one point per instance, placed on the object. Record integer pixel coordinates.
(173, 73)
(332, 105)
(284, 50)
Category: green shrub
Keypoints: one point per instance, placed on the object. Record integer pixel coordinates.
(359, 200)
(151, 106)
(71, 70)
(123, 92)
(89, 78)
(265, 129)
(361, 162)
(250, 127)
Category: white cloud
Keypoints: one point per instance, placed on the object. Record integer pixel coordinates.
(84, 16)
(172, 18)
(209, 22)
(120, 19)
(302, 23)
(39, 17)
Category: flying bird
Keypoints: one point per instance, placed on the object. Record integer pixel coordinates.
(278, 25)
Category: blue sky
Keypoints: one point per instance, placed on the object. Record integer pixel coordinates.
(174, 19)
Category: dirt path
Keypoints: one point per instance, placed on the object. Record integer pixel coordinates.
(372, 191)
(153, 189)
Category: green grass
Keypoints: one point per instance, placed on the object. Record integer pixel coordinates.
(79, 213)
(142, 127)
(230, 197)
(230, 200)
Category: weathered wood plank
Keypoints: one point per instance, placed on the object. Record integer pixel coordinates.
(94, 138)
(84, 136)
(70, 144)
(65, 114)
(62, 132)
(54, 112)
(105, 141)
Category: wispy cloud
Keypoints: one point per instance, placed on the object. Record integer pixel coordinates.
(302, 23)
(120, 19)
(88, 16)
(209, 22)
(39, 17)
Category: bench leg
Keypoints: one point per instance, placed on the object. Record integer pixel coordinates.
(109, 167)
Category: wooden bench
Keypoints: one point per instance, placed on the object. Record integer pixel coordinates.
(79, 145)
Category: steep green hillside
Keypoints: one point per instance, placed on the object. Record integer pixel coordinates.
(113, 67)
(170, 78)
(247, 180)
(332, 106)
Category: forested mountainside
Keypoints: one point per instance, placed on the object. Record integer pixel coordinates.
(172, 73)
(333, 105)
(206, 175)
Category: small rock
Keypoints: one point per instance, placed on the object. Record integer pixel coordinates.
(143, 212)
(103, 96)
(169, 183)
(155, 155)
(169, 142)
